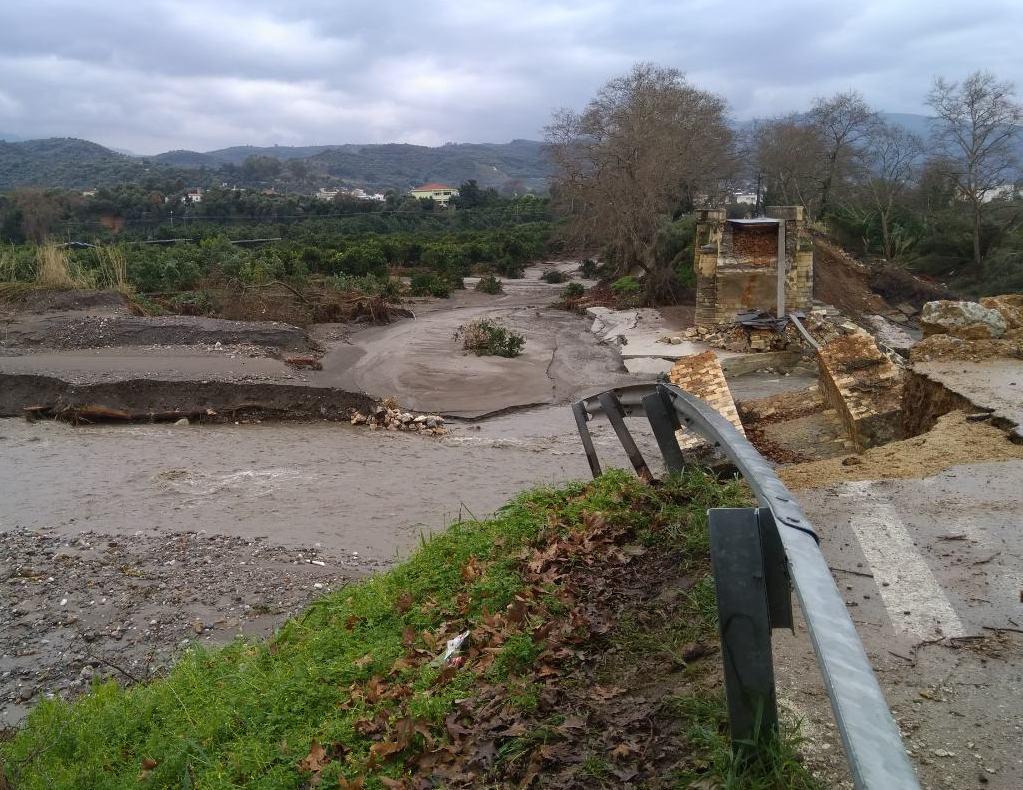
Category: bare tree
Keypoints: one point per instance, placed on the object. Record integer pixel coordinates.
(977, 131)
(39, 209)
(789, 157)
(842, 122)
(643, 148)
(888, 157)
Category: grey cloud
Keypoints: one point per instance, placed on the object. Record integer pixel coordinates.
(158, 74)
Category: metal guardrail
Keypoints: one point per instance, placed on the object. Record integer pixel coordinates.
(756, 554)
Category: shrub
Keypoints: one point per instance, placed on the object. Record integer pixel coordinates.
(489, 284)
(572, 291)
(485, 337)
(429, 284)
(589, 269)
(510, 268)
(553, 276)
(626, 286)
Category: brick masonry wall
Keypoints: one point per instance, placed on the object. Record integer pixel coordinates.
(702, 376)
(864, 387)
(736, 265)
(755, 245)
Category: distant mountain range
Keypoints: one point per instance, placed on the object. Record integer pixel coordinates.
(516, 166)
(79, 164)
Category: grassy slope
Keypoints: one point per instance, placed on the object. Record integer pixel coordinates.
(249, 714)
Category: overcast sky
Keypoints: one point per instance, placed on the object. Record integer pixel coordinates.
(153, 75)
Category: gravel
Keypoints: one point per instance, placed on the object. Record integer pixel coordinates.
(95, 606)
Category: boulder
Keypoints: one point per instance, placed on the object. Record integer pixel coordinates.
(1009, 305)
(967, 320)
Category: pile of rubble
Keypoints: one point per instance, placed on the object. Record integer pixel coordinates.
(738, 338)
(824, 323)
(389, 416)
(963, 330)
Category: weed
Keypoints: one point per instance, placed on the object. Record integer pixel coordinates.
(595, 767)
(626, 286)
(113, 268)
(485, 337)
(772, 763)
(553, 276)
(489, 284)
(572, 291)
(589, 269)
(516, 655)
(53, 267)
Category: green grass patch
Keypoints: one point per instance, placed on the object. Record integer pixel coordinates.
(248, 714)
(773, 765)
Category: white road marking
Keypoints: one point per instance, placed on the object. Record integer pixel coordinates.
(915, 601)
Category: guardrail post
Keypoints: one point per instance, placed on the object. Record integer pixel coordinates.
(587, 439)
(776, 571)
(664, 423)
(745, 621)
(616, 416)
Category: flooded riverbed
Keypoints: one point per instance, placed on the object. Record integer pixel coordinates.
(343, 486)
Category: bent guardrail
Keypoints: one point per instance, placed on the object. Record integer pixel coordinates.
(756, 554)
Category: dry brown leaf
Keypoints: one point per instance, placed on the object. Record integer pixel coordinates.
(374, 689)
(404, 602)
(315, 760)
(471, 570)
(355, 784)
(352, 621)
(606, 692)
(384, 749)
(517, 610)
(365, 661)
(148, 764)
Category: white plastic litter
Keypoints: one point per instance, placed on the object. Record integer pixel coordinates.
(453, 647)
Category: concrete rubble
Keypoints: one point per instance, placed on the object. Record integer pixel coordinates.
(701, 375)
(968, 320)
(864, 387)
(393, 418)
(971, 331)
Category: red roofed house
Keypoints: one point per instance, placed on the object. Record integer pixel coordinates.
(441, 193)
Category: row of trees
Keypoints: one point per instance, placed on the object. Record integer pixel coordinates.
(131, 211)
(650, 146)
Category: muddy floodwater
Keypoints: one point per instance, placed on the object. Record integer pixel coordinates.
(342, 486)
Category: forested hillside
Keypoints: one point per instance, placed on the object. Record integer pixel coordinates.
(518, 166)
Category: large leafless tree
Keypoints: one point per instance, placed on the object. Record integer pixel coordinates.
(977, 131)
(643, 149)
(888, 159)
(789, 156)
(842, 122)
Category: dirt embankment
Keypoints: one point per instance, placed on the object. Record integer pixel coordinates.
(149, 400)
(860, 290)
(80, 329)
(953, 440)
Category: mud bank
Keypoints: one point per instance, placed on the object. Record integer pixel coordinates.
(82, 329)
(148, 400)
(423, 364)
(100, 605)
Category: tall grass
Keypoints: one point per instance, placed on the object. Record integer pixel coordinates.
(113, 268)
(53, 267)
(8, 266)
